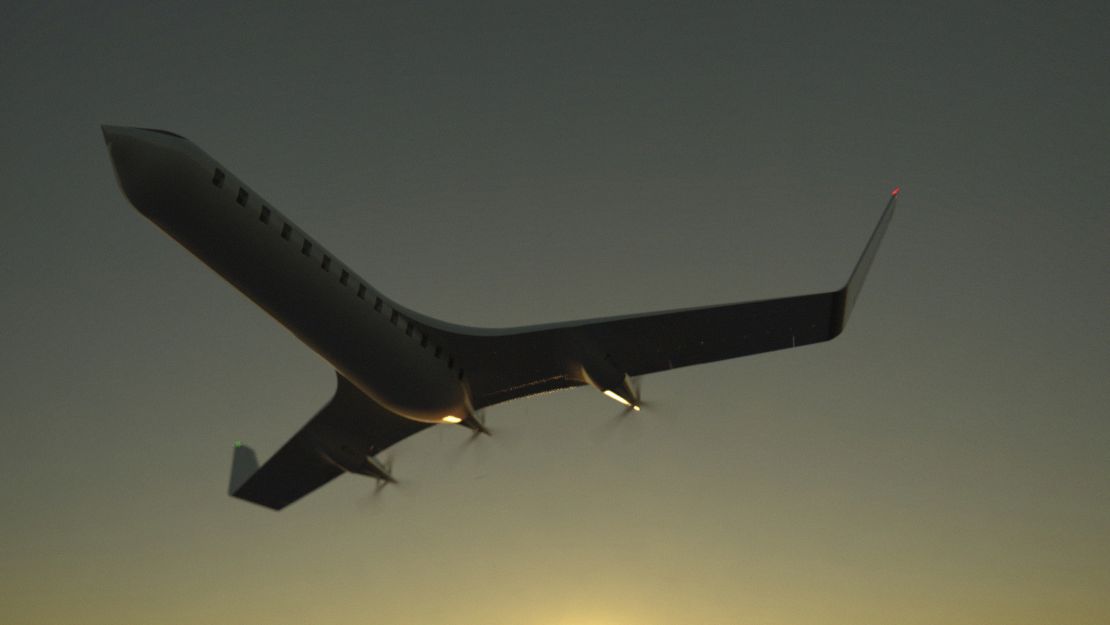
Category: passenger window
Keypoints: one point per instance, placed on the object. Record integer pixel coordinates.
(242, 197)
(286, 230)
(438, 352)
(378, 304)
(424, 340)
(264, 216)
(394, 316)
(306, 247)
(326, 263)
(362, 291)
(218, 178)
(450, 362)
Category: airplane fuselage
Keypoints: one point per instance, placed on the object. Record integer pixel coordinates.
(373, 343)
(400, 371)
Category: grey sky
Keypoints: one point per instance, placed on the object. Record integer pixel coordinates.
(945, 460)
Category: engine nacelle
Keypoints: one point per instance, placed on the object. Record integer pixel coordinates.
(607, 377)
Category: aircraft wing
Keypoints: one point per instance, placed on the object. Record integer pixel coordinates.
(528, 362)
(343, 436)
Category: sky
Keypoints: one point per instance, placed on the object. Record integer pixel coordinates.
(943, 461)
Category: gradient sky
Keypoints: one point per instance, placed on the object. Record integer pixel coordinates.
(946, 460)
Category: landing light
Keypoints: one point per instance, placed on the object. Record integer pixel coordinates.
(622, 400)
(451, 419)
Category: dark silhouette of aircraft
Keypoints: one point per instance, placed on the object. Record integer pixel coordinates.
(399, 371)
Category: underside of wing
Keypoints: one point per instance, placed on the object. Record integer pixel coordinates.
(343, 437)
(535, 360)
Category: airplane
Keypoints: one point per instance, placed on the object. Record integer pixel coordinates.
(399, 372)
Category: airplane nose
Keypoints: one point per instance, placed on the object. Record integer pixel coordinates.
(112, 133)
(148, 166)
(109, 132)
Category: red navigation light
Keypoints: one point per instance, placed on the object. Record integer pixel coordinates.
(896, 190)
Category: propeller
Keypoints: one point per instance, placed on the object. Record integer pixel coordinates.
(620, 419)
(383, 472)
(636, 404)
(476, 423)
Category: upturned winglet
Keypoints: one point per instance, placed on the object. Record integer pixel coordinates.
(846, 296)
(244, 464)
